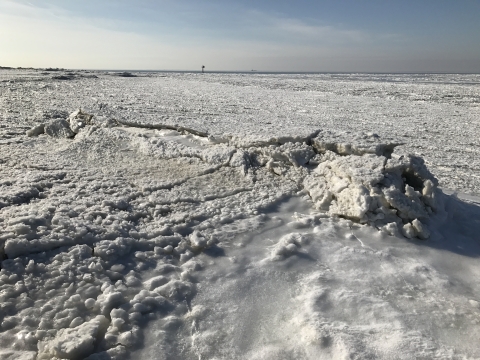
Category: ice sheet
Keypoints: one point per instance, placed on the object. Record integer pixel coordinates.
(238, 216)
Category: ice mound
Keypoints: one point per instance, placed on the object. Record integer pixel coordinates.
(359, 178)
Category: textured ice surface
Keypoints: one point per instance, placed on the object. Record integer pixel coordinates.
(151, 207)
(309, 287)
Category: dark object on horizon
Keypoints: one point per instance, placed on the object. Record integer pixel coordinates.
(64, 77)
(71, 76)
(6, 68)
(125, 74)
(203, 68)
(54, 69)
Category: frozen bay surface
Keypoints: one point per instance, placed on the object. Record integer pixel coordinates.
(269, 216)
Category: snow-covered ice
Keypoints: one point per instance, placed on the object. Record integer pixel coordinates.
(239, 216)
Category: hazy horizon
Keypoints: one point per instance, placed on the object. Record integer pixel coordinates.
(50, 68)
(231, 35)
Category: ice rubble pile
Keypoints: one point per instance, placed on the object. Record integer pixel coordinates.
(352, 176)
(359, 178)
(61, 127)
(392, 194)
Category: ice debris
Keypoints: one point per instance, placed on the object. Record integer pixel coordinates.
(60, 127)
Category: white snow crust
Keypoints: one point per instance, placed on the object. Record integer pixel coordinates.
(235, 216)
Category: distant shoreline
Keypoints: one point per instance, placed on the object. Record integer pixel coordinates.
(251, 72)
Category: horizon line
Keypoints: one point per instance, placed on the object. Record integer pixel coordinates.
(242, 71)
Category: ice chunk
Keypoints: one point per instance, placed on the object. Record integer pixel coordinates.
(78, 119)
(155, 282)
(197, 241)
(241, 159)
(59, 128)
(408, 208)
(36, 130)
(288, 245)
(430, 196)
(75, 343)
(422, 231)
(296, 154)
(175, 289)
(391, 229)
(342, 185)
(90, 303)
(409, 231)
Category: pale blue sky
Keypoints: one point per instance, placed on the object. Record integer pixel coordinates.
(302, 35)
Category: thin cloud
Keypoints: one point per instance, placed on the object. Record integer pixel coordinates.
(325, 33)
(286, 29)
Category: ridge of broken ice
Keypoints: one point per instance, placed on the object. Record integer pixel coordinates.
(348, 175)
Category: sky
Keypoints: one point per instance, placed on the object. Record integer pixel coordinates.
(234, 35)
